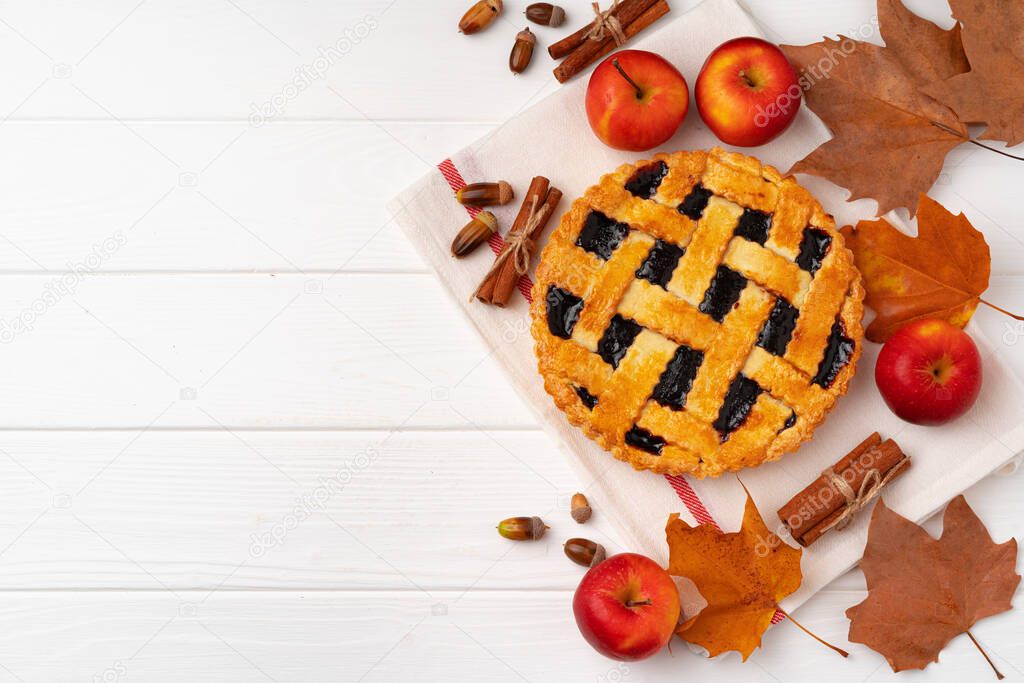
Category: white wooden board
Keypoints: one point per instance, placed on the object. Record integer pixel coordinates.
(243, 324)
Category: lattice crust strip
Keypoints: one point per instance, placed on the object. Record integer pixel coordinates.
(697, 313)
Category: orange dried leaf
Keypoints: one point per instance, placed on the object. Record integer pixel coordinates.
(990, 92)
(923, 592)
(941, 273)
(742, 575)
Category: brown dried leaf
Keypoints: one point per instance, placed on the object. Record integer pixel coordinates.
(885, 142)
(923, 592)
(991, 91)
(941, 273)
(927, 52)
(889, 139)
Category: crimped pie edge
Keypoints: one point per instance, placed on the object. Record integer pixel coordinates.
(558, 386)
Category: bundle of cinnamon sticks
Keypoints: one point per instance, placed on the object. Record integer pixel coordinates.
(612, 29)
(831, 500)
(513, 261)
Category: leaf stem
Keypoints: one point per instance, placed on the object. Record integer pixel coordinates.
(984, 654)
(942, 126)
(993, 149)
(1002, 310)
(796, 623)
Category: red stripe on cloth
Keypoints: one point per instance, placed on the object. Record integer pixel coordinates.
(455, 181)
(679, 484)
(496, 243)
(691, 500)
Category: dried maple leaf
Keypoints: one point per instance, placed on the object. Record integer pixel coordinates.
(889, 139)
(885, 142)
(742, 575)
(927, 52)
(909, 278)
(990, 92)
(941, 273)
(924, 592)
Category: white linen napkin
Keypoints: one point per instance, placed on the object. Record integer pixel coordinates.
(553, 139)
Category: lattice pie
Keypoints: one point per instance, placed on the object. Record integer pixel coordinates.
(697, 313)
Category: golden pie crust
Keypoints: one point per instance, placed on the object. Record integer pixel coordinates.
(697, 313)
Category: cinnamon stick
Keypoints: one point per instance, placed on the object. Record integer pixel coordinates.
(537, 192)
(817, 509)
(569, 44)
(537, 208)
(592, 50)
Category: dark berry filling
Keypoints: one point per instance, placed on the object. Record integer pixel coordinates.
(586, 398)
(644, 440)
(617, 339)
(778, 329)
(563, 311)
(601, 235)
(838, 352)
(723, 293)
(813, 249)
(661, 260)
(739, 401)
(645, 180)
(695, 203)
(754, 226)
(677, 379)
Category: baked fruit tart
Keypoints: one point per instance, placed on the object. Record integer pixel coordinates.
(697, 313)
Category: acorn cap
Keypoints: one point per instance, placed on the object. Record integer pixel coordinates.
(488, 219)
(505, 193)
(527, 35)
(557, 17)
(579, 508)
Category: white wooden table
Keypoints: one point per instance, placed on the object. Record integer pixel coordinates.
(236, 439)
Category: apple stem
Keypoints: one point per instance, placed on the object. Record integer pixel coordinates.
(975, 142)
(618, 67)
(984, 654)
(796, 623)
(1002, 310)
(637, 603)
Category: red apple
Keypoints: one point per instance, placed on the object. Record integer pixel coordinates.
(747, 92)
(627, 607)
(929, 372)
(636, 100)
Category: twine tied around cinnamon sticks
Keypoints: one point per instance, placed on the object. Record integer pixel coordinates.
(870, 489)
(513, 261)
(607, 23)
(520, 246)
(831, 501)
(611, 29)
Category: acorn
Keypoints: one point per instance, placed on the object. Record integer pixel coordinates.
(545, 14)
(522, 528)
(480, 16)
(579, 508)
(476, 232)
(522, 51)
(584, 552)
(485, 194)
